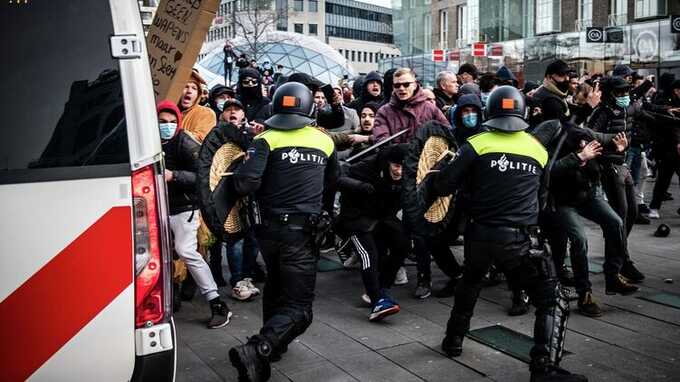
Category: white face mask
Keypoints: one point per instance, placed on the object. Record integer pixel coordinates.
(220, 104)
(167, 129)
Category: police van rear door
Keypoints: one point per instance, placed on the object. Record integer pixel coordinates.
(74, 130)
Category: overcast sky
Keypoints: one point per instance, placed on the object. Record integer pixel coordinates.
(383, 3)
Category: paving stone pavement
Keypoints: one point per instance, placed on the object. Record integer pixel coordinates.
(635, 339)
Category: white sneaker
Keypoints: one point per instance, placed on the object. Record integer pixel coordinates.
(401, 278)
(241, 291)
(352, 262)
(249, 282)
(654, 214)
(366, 299)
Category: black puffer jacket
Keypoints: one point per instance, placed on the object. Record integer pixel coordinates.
(181, 156)
(368, 195)
(412, 207)
(215, 206)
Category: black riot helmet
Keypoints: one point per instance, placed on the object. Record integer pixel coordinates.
(292, 107)
(506, 110)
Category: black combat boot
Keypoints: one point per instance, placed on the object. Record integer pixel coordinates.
(520, 303)
(252, 359)
(452, 345)
(542, 370)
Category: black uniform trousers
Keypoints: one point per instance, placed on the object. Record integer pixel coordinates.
(291, 257)
(508, 248)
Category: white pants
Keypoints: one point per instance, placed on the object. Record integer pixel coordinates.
(184, 226)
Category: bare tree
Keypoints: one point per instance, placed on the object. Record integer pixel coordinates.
(253, 20)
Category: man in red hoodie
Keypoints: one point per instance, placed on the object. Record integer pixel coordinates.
(181, 154)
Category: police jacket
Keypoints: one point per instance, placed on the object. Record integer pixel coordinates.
(368, 195)
(288, 171)
(503, 170)
(181, 155)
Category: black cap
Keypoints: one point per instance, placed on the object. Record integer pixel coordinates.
(662, 231)
(469, 69)
(622, 70)
(558, 67)
(396, 153)
(233, 102)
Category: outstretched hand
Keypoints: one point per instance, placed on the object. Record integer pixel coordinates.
(590, 150)
(621, 142)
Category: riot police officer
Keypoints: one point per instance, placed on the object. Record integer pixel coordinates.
(504, 166)
(287, 168)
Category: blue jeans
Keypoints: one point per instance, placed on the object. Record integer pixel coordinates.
(242, 258)
(634, 163)
(597, 210)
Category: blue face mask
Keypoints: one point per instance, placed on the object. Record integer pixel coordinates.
(623, 101)
(470, 120)
(167, 129)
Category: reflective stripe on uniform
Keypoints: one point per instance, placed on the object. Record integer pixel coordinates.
(307, 136)
(518, 143)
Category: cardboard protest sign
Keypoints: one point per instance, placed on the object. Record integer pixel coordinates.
(174, 40)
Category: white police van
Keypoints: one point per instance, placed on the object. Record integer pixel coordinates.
(85, 261)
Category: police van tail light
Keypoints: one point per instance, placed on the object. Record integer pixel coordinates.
(152, 271)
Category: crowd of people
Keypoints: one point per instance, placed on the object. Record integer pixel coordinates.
(512, 166)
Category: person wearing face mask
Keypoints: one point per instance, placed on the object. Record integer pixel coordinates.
(218, 95)
(249, 92)
(181, 153)
(198, 120)
(551, 96)
(467, 118)
(615, 115)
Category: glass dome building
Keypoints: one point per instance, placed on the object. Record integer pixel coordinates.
(296, 52)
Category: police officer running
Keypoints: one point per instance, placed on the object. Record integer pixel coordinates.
(287, 168)
(504, 166)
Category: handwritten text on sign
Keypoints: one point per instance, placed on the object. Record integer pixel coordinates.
(174, 39)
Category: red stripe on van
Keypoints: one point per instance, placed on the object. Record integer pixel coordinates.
(54, 304)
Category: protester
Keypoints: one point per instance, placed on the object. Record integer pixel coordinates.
(181, 152)
(250, 92)
(408, 109)
(197, 120)
(446, 91)
(371, 90)
(220, 94)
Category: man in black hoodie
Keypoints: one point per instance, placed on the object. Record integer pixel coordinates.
(250, 92)
(371, 91)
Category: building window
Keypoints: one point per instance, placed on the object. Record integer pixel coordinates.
(649, 8)
(412, 4)
(370, 57)
(547, 16)
(619, 12)
(412, 33)
(443, 29)
(346, 54)
(313, 29)
(298, 5)
(298, 28)
(340, 51)
(365, 56)
(313, 6)
(353, 56)
(585, 10)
